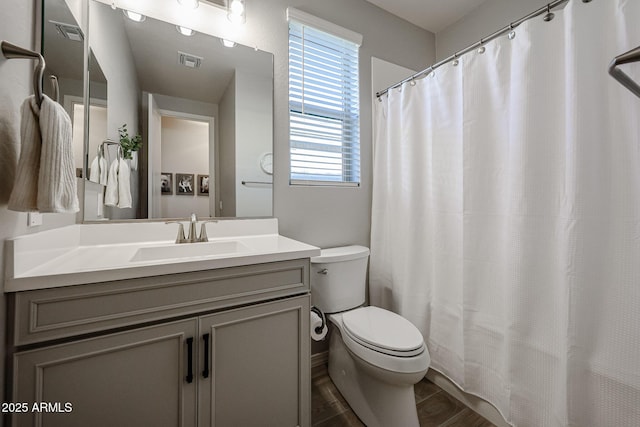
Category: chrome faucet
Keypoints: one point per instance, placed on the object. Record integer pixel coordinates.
(192, 237)
(193, 222)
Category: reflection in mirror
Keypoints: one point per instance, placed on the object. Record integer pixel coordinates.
(204, 112)
(63, 50)
(97, 149)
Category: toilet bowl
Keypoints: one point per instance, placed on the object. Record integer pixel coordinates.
(375, 355)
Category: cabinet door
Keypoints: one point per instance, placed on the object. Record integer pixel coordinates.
(134, 378)
(258, 360)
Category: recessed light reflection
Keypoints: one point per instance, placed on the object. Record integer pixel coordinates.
(227, 43)
(134, 16)
(185, 31)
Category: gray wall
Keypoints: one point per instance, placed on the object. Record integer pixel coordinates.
(254, 104)
(111, 48)
(226, 163)
(16, 26)
(484, 20)
(331, 216)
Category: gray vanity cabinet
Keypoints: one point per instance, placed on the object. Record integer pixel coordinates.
(226, 347)
(133, 378)
(257, 366)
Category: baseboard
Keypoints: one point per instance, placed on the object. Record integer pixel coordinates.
(481, 406)
(319, 359)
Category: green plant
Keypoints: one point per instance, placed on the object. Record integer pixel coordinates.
(129, 145)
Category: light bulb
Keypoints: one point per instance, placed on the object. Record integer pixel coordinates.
(236, 12)
(236, 7)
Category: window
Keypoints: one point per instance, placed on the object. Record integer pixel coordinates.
(324, 110)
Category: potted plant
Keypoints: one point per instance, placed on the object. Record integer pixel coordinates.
(129, 144)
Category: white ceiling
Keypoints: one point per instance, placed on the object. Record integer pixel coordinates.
(432, 15)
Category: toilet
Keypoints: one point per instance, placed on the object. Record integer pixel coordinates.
(375, 356)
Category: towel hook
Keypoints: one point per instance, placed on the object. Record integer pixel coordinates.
(11, 51)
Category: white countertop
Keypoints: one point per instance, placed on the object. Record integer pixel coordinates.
(90, 253)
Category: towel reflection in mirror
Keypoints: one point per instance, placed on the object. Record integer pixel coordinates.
(118, 191)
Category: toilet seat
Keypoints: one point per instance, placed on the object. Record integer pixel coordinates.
(383, 331)
(408, 361)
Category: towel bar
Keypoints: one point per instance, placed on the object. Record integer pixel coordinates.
(11, 51)
(626, 58)
(55, 88)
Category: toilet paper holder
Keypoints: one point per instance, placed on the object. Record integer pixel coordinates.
(320, 314)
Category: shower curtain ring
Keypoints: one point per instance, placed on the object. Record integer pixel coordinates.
(481, 49)
(455, 59)
(512, 32)
(550, 15)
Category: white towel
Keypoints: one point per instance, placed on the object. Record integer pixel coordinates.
(24, 196)
(118, 192)
(98, 171)
(9, 148)
(124, 185)
(57, 187)
(111, 193)
(45, 180)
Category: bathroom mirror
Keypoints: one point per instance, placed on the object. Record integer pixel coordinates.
(63, 50)
(204, 113)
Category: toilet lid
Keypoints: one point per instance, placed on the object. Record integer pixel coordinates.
(383, 330)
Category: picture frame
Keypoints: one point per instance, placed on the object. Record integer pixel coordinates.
(203, 185)
(185, 184)
(166, 183)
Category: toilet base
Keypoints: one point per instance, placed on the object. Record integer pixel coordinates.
(385, 399)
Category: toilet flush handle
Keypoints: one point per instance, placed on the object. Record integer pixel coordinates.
(324, 271)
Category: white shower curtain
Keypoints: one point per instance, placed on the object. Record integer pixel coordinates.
(506, 219)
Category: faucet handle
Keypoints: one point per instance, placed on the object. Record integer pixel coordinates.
(203, 230)
(180, 238)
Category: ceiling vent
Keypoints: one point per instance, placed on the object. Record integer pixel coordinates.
(68, 31)
(189, 60)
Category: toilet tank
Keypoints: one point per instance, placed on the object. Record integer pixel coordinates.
(338, 278)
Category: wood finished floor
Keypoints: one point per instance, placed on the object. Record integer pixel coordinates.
(436, 408)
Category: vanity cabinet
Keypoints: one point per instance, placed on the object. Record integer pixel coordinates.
(226, 347)
(133, 378)
(256, 375)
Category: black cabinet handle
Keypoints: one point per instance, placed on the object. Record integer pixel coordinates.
(205, 372)
(189, 377)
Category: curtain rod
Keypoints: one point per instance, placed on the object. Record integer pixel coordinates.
(482, 41)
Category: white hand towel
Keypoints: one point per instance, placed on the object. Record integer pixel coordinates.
(94, 170)
(124, 186)
(98, 170)
(24, 196)
(111, 193)
(57, 187)
(103, 170)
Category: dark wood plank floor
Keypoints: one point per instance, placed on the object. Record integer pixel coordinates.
(436, 408)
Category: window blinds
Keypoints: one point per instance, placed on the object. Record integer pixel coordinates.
(324, 115)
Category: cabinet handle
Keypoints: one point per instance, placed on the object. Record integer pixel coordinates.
(189, 377)
(205, 372)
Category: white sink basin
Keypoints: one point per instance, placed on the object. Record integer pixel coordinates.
(189, 250)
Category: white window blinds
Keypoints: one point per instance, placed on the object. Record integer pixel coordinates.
(324, 111)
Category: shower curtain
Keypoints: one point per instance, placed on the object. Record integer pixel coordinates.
(506, 218)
